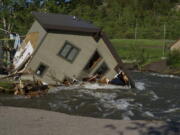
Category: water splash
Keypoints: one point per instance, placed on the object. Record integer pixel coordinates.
(109, 101)
(172, 110)
(89, 86)
(140, 85)
(96, 86)
(60, 88)
(154, 96)
(148, 114)
(165, 75)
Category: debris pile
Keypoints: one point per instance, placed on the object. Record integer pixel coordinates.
(31, 89)
(26, 87)
(34, 88)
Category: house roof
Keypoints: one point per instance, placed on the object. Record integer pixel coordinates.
(51, 21)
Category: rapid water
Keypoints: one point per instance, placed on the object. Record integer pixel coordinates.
(157, 97)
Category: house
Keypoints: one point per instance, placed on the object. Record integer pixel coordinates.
(59, 46)
(175, 46)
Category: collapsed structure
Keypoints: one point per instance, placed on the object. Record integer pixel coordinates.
(59, 46)
(175, 46)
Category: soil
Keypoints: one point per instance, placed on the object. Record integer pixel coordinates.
(160, 66)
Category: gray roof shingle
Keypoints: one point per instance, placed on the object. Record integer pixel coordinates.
(51, 21)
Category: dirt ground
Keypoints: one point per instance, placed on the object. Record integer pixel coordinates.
(22, 121)
(157, 67)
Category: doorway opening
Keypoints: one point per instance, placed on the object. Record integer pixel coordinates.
(95, 59)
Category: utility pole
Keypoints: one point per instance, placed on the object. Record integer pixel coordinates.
(164, 38)
(135, 33)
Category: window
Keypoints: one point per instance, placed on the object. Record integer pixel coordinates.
(102, 69)
(69, 52)
(41, 69)
(95, 59)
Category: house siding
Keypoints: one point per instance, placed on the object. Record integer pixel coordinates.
(47, 53)
(175, 46)
(36, 27)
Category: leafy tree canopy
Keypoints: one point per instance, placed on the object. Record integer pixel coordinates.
(119, 18)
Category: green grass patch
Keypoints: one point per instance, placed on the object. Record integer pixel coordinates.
(6, 85)
(141, 42)
(141, 50)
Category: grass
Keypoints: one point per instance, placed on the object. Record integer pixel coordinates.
(6, 86)
(144, 50)
(143, 42)
(174, 59)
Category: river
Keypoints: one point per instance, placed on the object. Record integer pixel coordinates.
(157, 97)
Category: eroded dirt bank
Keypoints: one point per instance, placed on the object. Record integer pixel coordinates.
(160, 66)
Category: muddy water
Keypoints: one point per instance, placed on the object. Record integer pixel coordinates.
(157, 97)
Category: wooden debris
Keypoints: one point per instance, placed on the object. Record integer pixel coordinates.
(31, 89)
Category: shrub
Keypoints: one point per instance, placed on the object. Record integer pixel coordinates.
(174, 59)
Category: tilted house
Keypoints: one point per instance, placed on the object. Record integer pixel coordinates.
(175, 46)
(67, 46)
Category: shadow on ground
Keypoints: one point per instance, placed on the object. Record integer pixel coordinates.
(169, 128)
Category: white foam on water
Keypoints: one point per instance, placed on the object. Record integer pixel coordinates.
(95, 86)
(60, 88)
(52, 105)
(148, 114)
(107, 114)
(130, 113)
(140, 85)
(154, 96)
(120, 104)
(100, 95)
(165, 75)
(89, 86)
(57, 105)
(15, 97)
(108, 100)
(172, 110)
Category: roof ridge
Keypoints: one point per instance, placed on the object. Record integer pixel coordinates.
(60, 21)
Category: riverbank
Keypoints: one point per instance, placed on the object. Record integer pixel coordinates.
(20, 121)
(148, 55)
(160, 67)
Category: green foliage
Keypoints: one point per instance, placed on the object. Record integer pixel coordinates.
(118, 17)
(141, 51)
(6, 85)
(174, 59)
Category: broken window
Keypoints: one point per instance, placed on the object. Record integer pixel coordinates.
(102, 69)
(95, 59)
(69, 52)
(41, 69)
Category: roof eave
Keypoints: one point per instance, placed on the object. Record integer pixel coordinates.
(75, 29)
